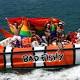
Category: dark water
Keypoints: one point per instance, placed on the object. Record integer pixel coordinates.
(66, 10)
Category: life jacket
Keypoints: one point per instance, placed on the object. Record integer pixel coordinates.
(26, 42)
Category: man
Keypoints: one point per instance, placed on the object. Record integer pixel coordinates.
(60, 36)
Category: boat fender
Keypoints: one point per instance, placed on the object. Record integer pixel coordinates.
(77, 54)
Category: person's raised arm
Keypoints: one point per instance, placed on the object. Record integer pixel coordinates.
(9, 22)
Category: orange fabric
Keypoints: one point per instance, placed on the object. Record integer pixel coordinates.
(39, 23)
(67, 56)
(26, 42)
(18, 58)
(1, 58)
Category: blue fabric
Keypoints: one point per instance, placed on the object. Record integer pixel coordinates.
(53, 34)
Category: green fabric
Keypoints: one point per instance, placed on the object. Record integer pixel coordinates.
(52, 28)
(24, 33)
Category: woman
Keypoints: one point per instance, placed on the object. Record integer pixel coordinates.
(35, 39)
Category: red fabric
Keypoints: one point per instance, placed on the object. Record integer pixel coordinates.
(35, 21)
(39, 23)
(5, 33)
(73, 37)
(55, 20)
(13, 20)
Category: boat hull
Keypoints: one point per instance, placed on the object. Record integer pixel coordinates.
(41, 56)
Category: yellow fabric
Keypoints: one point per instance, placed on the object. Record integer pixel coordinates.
(24, 28)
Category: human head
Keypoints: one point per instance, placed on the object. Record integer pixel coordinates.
(60, 24)
(15, 24)
(47, 26)
(33, 33)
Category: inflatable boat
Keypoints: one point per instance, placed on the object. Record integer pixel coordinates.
(39, 56)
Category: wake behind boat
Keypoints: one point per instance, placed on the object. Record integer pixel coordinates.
(26, 50)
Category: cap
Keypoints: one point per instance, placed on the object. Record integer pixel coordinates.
(60, 22)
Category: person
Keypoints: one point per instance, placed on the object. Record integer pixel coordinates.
(60, 31)
(60, 28)
(16, 26)
(46, 38)
(60, 36)
(47, 27)
(78, 35)
(59, 44)
(35, 39)
(72, 36)
(53, 31)
(16, 39)
(52, 28)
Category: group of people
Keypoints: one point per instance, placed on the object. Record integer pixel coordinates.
(53, 32)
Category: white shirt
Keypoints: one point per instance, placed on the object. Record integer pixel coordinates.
(78, 35)
(16, 37)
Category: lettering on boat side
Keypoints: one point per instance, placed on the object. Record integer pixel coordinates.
(44, 57)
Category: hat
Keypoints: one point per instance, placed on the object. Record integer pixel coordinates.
(60, 23)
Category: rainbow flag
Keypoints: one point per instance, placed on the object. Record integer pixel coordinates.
(24, 32)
